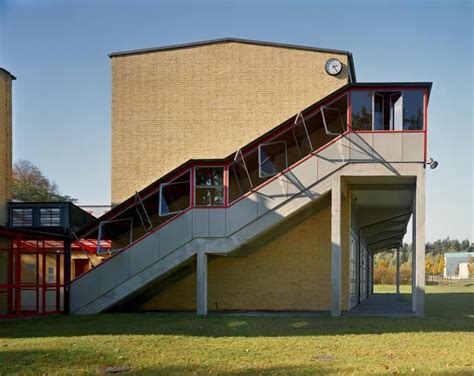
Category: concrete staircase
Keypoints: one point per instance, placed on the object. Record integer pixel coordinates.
(238, 229)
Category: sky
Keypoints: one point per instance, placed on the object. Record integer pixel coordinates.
(62, 97)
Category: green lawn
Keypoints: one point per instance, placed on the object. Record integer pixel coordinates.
(442, 343)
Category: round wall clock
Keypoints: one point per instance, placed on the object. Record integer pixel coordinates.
(333, 67)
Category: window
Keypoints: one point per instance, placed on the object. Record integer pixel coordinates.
(22, 217)
(335, 116)
(301, 136)
(175, 195)
(50, 217)
(50, 274)
(413, 108)
(361, 102)
(209, 186)
(387, 110)
(239, 177)
(272, 158)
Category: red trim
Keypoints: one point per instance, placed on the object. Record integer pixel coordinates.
(388, 131)
(387, 88)
(426, 124)
(349, 112)
(290, 168)
(191, 166)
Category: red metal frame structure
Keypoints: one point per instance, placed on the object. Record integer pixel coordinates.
(154, 188)
(33, 294)
(29, 295)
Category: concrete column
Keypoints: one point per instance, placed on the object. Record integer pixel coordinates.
(201, 273)
(336, 245)
(413, 259)
(397, 276)
(419, 236)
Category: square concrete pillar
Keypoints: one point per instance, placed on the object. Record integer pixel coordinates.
(201, 274)
(336, 245)
(397, 276)
(419, 246)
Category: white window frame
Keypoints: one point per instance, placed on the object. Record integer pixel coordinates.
(99, 235)
(265, 175)
(325, 124)
(138, 200)
(295, 124)
(160, 213)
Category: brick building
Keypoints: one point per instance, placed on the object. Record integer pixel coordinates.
(254, 176)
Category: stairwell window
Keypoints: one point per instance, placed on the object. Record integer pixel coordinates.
(272, 158)
(361, 102)
(209, 186)
(413, 110)
(335, 116)
(175, 195)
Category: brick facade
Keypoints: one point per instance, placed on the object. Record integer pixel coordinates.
(293, 272)
(205, 102)
(5, 143)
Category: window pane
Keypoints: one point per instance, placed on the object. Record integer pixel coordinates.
(22, 217)
(335, 116)
(210, 196)
(378, 112)
(174, 196)
(209, 176)
(209, 186)
(272, 158)
(50, 217)
(413, 105)
(361, 102)
(239, 179)
(301, 136)
(317, 132)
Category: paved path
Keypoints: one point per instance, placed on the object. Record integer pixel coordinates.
(388, 305)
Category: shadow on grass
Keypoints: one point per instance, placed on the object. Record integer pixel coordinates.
(84, 362)
(447, 312)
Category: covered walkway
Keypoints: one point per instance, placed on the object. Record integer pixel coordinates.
(385, 305)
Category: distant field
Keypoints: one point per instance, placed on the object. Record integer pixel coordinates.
(149, 343)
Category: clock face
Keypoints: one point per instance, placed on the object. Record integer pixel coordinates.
(333, 67)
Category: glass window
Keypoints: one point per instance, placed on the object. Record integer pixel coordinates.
(50, 217)
(361, 102)
(175, 195)
(378, 112)
(209, 188)
(317, 131)
(272, 158)
(239, 178)
(301, 136)
(387, 110)
(114, 235)
(335, 116)
(413, 106)
(22, 217)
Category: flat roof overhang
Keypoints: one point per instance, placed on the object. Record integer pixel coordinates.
(384, 208)
(13, 232)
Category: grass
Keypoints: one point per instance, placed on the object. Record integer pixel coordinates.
(152, 343)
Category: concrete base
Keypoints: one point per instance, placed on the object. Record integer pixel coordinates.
(383, 305)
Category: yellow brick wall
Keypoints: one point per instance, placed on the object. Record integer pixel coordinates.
(5, 171)
(205, 102)
(291, 273)
(5, 144)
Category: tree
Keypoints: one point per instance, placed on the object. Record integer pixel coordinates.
(29, 184)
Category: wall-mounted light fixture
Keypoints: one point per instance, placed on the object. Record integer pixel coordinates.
(432, 163)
